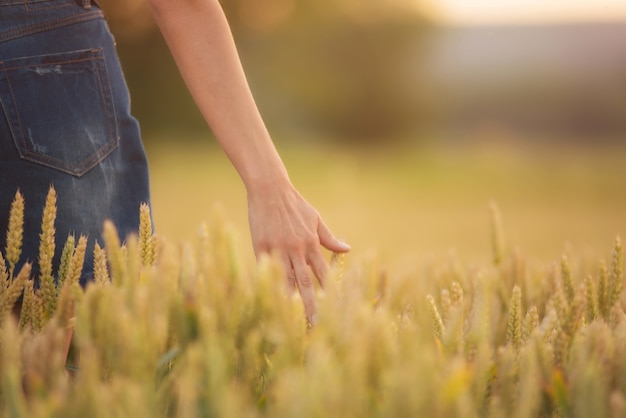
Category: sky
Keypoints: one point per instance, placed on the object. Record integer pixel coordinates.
(478, 12)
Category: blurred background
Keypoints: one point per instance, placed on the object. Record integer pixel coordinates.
(402, 119)
(368, 71)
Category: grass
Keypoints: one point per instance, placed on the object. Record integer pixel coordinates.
(189, 326)
(416, 205)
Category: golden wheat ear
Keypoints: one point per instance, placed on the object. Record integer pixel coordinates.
(514, 325)
(13, 291)
(114, 252)
(15, 232)
(435, 318)
(11, 287)
(100, 270)
(47, 286)
(617, 265)
(146, 243)
(77, 261)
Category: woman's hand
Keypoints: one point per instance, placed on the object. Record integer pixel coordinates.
(283, 223)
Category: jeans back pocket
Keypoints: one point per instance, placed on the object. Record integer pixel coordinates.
(60, 109)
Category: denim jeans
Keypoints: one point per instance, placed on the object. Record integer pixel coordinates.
(65, 121)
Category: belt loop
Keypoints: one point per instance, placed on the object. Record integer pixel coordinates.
(86, 4)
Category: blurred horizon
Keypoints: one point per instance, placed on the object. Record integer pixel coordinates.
(527, 12)
(370, 72)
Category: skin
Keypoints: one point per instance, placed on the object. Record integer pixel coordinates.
(282, 222)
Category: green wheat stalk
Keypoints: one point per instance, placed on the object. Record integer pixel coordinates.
(66, 258)
(75, 269)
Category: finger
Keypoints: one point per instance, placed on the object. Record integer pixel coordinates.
(290, 276)
(306, 288)
(328, 240)
(260, 249)
(320, 267)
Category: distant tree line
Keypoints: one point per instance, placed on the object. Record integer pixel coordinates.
(335, 67)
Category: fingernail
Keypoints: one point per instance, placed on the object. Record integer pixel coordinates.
(346, 245)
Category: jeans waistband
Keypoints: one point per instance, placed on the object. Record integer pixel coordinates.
(85, 3)
(20, 18)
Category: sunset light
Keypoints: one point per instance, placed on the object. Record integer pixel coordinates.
(478, 12)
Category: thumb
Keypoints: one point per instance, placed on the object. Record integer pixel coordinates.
(328, 240)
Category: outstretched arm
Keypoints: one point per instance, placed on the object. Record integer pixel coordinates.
(281, 221)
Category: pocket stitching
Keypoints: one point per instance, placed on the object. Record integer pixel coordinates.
(100, 154)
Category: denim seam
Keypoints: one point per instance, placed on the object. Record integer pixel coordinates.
(4, 106)
(17, 114)
(51, 5)
(52, 24)
(112, 127)
(50, 63)
(58, 6)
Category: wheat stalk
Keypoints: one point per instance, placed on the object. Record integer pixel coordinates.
(446, 305)
(66, 258)
(14, 291)
(26, 319)
(15, 232)
(566, 278)
(456, 294)
(37, 313)
(114, 252)
(514, 325)
(46, 254)
(100, 271)
(617, 265)
(75, 269)
(603, 291)
(531, 322)
(4, 276)
(436, 321)
(497, 233)
(146, 244)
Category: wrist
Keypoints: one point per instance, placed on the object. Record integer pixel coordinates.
(267, 185)
(266, 179)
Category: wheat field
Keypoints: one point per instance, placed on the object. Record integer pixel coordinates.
(482, 283)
